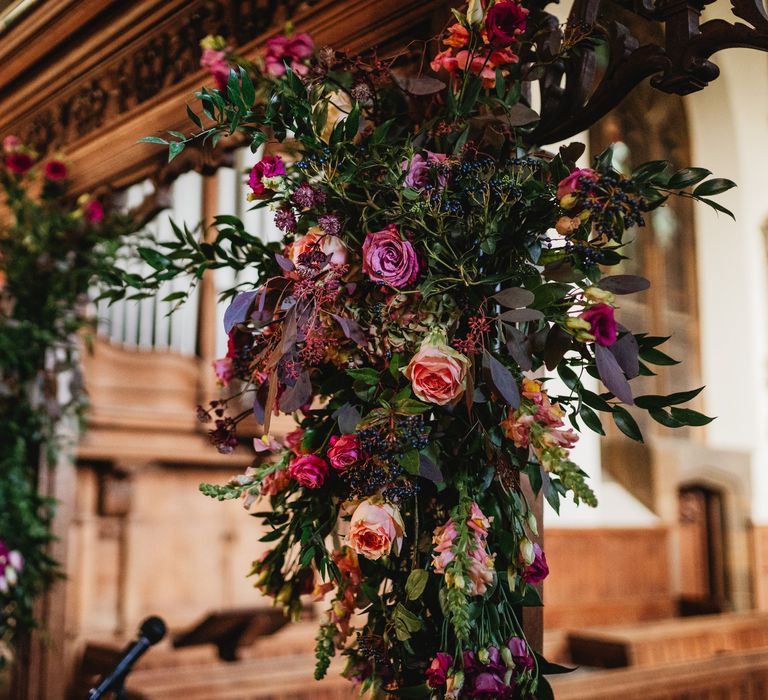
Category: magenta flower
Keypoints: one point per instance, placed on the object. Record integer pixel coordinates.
(602, 323)
(537, 570)
(224, 370)
(19, 162)
(344, 451)
(309, 470)
(520, 654)
(294, 51)
(390, 260)
(437, 673)
(504, 22)
(55, 170)
(267, 168)
(215, 62)
(571, 183)
(93, 212)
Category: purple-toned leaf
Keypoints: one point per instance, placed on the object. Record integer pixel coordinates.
(289, 331)
(418, 85)
(626, 352)
(285, 263)
(517, 346)
(348, 418)
(611, 374)
(557, 344)
(352, 330)
(259, 401)
(562, 272)
(294, 397)
(519, 115)
(522, 315)
(429, 470)
(237, 311)
(624, 284)
(502, 380)
(514, 297)
(572, 152)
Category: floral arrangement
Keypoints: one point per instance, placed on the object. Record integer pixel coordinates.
(51, 251)
(434, 275)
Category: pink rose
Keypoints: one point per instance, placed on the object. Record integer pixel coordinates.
(309, 470)
(437, 673)
(344, 451)
(93, 212)
(11, 144)
(570, 184)
(390, 260)
(438, 374)
(504, 22)
(603, 323)
(55, 170)
(215, 62)
(294, 51)
(223, 370)
(418, 168)
(266, 169)
(316, 240)
(537, 570)
(375, 530)
(19, 162)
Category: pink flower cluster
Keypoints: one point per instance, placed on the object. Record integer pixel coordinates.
(481, 568)
(216, 63)
(262, 177)
(538, 422)
(293, 50)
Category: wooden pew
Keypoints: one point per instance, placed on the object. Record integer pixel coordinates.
(682, 639)
(736, 675)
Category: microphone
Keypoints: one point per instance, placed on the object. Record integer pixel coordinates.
(152, 630)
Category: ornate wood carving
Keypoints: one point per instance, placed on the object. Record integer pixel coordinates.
(577, 91)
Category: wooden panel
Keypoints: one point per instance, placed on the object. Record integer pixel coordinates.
(596, 578)
(760, 566)
(733, 676)
(668, 641)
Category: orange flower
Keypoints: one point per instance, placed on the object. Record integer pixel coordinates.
(458, 36)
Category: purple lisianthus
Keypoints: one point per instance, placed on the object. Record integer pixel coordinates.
(437, 673)
(537, 570)
(417, 170)
(603, 323)
(488, 685)
(520, 654)
(390, 260)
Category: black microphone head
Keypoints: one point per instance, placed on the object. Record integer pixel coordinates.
(153, 628)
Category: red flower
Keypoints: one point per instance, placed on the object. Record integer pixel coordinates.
(504, 23)
(603, 324)
(19, 162)
(55, 170)
(268, 167)
(437, 673)
(537, 570)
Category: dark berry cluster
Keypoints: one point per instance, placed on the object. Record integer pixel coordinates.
(612, 210)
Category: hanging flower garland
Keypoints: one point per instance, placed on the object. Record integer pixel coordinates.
(432, 278)
(51, 251)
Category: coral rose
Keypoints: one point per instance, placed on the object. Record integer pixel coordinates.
(309, 470)
(602, 323)
(316, 240)
(375, 530)
(388, 259)
(344, 451)
(438, 373)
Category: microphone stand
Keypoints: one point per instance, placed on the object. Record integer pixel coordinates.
(151, 632)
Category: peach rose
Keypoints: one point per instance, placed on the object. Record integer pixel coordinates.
(316, 240)
(375, 529)
(438, 373)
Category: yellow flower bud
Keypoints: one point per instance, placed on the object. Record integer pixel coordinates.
(526, 551)
(474, 13)
(482, 655)
(533, 526)
(584, 337)
(576, 323)
(599, 295)
(569, 201)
